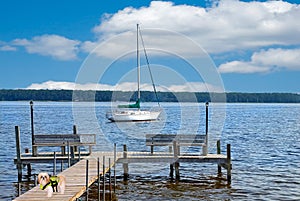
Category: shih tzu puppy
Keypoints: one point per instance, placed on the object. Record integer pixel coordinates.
(51, 183)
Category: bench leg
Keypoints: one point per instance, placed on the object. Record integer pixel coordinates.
(172, 171)
(177, 174)
(34, 151)
(204, 150)
(63, 150)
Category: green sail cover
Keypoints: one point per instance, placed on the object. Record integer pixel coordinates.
(135, 105)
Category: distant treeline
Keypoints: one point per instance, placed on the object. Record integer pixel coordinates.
(146, 96)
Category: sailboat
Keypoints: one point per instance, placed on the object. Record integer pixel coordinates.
(133, 111)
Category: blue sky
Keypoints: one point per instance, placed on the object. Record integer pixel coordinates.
(255, 46)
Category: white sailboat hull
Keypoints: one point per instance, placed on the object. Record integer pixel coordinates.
(133, 115)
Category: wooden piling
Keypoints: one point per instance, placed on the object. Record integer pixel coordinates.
(69, 161)
(98, 180)
(34, 149)
(228, 164)
(171, 175)
(177, 174)
(219, 152)
(125, 165)
(54, 163)
(176, 164)
(115, 160)
(19, 188)
(87, 180)
(109, 173)
(172, 171)
(103, 174)
(29, 169)
(75, 148)
(61, 165)
(18, 150)
(205, 148)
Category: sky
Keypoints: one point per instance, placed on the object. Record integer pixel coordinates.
(191, 45)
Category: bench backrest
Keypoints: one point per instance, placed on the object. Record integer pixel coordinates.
(64, 138)
(168, 139)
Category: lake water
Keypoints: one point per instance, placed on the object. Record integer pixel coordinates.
(264, 138)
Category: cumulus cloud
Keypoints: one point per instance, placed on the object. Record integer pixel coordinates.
(58, 47)
(7, 48)
(278, 58)
(227, 26)
(125, 86)
(242, 67)
(265, 61)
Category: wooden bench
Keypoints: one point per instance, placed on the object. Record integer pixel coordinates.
(63, 140)
(180, 139)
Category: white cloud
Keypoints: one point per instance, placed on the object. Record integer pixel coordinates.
(265, 61)
(125, 86)
(278, 58)
(241, 67)
(56, 46)
(228, 26)
(7, 48)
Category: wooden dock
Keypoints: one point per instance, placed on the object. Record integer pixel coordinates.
(76, 175)
(75, 178)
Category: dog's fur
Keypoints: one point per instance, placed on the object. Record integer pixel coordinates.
(44, 178)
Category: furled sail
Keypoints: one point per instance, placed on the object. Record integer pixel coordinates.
(135, 105)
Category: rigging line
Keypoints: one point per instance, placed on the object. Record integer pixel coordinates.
(152, 80)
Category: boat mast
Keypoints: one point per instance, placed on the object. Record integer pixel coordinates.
(138, 61)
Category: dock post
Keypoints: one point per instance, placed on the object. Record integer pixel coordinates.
(35, 179)
(18, 150)
(87, 180)
(103, 174)
(98, 173)
(125, 165)
(228, 164)
(219, 152)
(69, 162)
(19, 189)
(109, 173)
(115, 158)
(54, 163)
(34, 149)
(205, 148)
(29, 169)
(61, 165)
(172, 171)
(75, 132)
(79, 155)
(72, 148)
(176, 164)
(171, 175)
